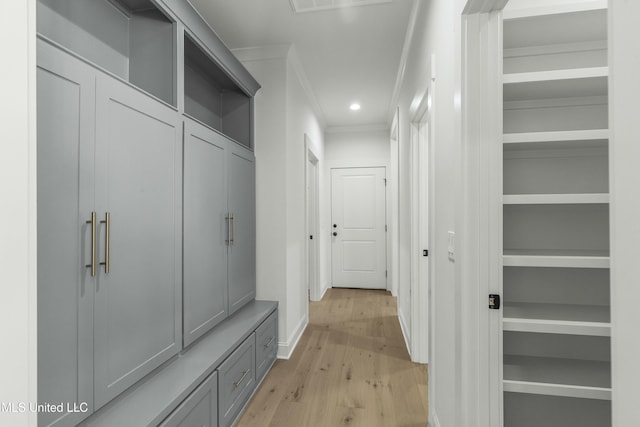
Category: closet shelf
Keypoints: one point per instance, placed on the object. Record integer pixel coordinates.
(557, 84)
(557, 376)
(556, 258)
(599, 393)
(555, 75)
(552, 199)
(574, 136)
(556, 327)
(557, 312)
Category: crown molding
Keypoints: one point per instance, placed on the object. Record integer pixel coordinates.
(408, 38)
(298, 69)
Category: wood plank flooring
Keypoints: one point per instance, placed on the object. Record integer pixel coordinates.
(350, 368)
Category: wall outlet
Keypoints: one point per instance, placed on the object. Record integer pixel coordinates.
(451, 245)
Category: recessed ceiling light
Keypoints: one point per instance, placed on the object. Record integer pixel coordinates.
(354, 107)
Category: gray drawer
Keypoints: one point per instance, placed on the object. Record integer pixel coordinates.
(200, 409)
(266, 344)
(237, 379)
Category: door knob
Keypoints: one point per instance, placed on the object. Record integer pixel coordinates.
(335, 234)
(335, 225)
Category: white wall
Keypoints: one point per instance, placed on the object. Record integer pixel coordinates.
(284, 113)
(301, 120)
(270, 150)
(18, 214)
(352, 147)
(437, 32)
(359, 147)
(624, 146)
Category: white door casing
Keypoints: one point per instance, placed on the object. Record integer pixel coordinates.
(312, 219)
(358, 223)
(421, 168)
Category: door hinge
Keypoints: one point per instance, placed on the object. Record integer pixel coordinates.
(385, 273)
(494, 301)
(385, 227)
(385, 182)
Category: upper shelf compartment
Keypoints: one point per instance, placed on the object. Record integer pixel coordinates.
(131, 39)
(212, 97)
(536, 40)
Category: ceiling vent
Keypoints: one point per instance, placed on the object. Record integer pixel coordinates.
(302, 6)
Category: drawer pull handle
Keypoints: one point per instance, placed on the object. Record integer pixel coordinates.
(237, 383)
(268, 342)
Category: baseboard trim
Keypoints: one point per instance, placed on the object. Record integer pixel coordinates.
(404, 329)
(286, 348)
(324, 291)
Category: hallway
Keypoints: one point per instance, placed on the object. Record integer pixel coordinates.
(351, 367)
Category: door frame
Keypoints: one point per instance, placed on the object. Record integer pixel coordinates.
(479, 389)
(312, 221)
(422, 181)
(393, 207)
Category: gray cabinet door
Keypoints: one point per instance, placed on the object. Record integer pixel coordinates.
(205, 230)
(66, 110)
(242, 251)
(138, 302)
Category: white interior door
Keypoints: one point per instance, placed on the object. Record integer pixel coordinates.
(358, 228)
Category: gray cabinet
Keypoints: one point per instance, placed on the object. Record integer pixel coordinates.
(109, 239)
(138, 173)
(116, 290)
(242, 249)
(205, 230)
(66, 111)
(219, 228)
(237, 380)
(199, 409)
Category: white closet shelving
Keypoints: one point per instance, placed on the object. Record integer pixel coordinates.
(556, 313)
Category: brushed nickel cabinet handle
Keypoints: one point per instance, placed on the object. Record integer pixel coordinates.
(237, 383)
(268, 342)
(92, 266)
(228, 219)
(107, 243)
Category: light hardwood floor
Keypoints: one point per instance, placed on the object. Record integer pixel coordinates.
(350, 368)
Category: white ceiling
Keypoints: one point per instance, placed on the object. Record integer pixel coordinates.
(348, 53)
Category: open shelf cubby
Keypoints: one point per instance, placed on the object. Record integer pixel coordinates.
(131, 39)
(532, 360)
(212, 97)
(557, 300)
(556, 41)
(538, 410)
(571, 229)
